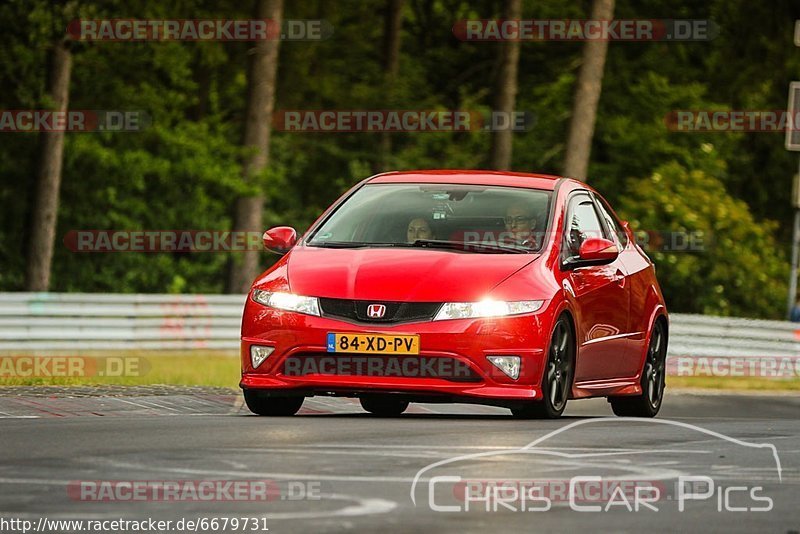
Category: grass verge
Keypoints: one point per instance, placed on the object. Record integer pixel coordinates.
(200, 368)
(734, 383)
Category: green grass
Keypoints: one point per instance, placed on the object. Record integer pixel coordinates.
(221, 369)
(734, 383)
(197, 368)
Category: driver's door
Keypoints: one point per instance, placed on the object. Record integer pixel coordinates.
(602, 294)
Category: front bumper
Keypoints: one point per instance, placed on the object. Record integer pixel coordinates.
(466, 341)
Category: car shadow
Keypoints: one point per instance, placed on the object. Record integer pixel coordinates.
(435, 416)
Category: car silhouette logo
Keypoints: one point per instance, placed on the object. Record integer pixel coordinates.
(376, 311)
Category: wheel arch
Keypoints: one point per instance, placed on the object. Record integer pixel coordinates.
(566, 312)
(659, 315)
(565, 309)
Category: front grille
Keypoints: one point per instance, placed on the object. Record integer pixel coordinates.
(379, 366)
(396, 312)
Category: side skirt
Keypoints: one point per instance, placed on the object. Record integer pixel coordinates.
(603, 388)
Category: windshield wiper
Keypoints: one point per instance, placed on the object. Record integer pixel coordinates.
(483, 248)
(354, 244)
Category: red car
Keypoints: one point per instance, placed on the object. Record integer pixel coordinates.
(498, 288)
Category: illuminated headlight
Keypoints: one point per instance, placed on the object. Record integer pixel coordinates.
(486, 308)
(287, 301)
(258, 354)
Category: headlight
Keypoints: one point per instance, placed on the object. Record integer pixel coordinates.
(287, 301)
(486, 308)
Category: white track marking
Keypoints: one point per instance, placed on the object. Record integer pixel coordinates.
(572, 460)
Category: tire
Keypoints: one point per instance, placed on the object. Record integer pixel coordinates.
(261, 404)
(653, 380)
(383, 405)
(557, 377)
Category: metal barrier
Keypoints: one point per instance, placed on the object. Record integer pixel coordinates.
(91, 321)
(94, 321)
(701, 335)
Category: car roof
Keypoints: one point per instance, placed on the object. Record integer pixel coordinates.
(469, 177)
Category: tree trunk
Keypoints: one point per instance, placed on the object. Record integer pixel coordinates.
(262, 74)
(48, 181)
(391, 64)
(505, 96)
(587, 95)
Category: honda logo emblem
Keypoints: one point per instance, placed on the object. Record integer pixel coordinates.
(376, 311)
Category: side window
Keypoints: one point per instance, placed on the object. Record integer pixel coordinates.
(612, 222)
(583, 223)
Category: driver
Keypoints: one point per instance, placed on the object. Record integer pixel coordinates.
(520, 223)
(418, 228)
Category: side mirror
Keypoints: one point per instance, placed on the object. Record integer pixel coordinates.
(598, 250)
(280, 239)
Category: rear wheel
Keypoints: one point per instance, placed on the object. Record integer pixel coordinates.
(383, 405)
(261, 404)
(557, 379)
(653, 379)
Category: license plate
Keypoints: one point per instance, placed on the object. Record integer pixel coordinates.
(373, 343)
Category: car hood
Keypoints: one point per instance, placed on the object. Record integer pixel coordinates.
(399, 274)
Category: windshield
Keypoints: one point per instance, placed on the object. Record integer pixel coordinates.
(482, 219)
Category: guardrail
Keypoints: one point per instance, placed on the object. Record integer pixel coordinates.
(91, 321)
(94, 321)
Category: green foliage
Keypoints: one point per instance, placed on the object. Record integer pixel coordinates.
(183, 171)
(186, 181)
(737, 267)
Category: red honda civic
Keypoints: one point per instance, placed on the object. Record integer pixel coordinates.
(499, 288)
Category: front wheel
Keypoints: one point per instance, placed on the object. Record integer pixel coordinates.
(261, 404)
(557, 379)
(653, 380)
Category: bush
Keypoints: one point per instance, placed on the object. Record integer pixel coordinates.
(741, 269)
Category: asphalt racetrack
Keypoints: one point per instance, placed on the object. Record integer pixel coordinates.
(335, 468)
